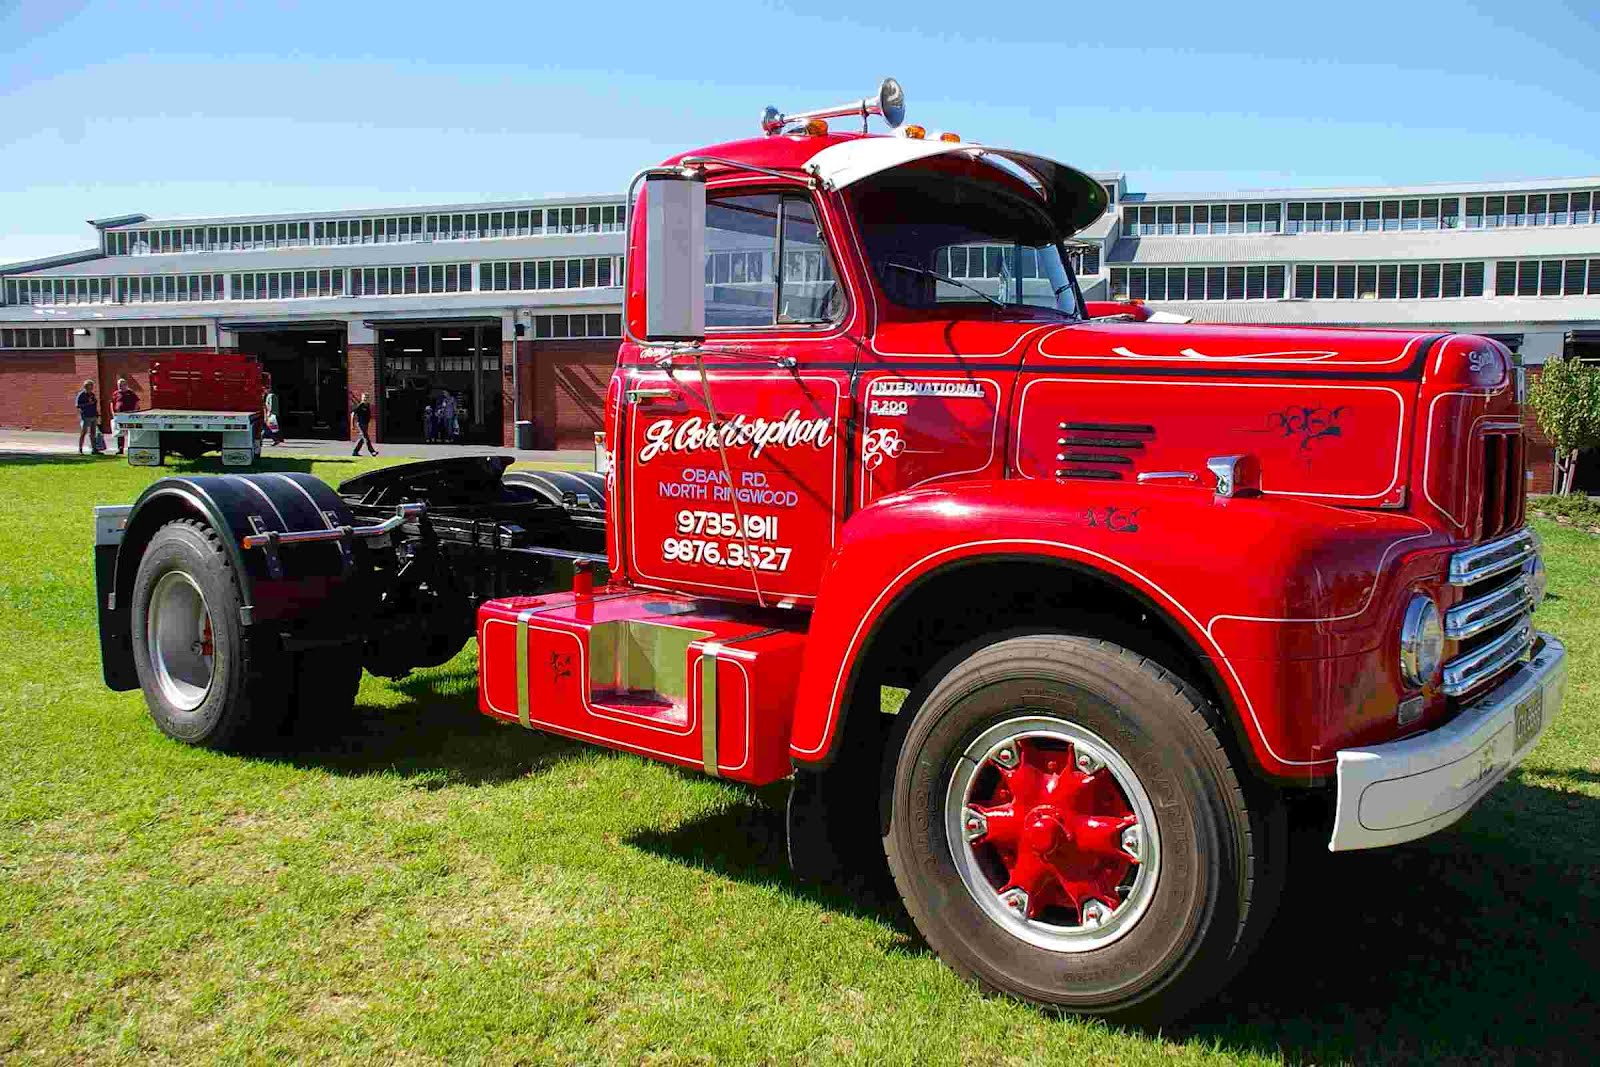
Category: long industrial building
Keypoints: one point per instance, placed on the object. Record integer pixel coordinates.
(399, 303)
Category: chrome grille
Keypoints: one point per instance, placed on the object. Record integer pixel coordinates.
(1471, 617)
(1472, 565)
(1493, 624)
(1466, 673)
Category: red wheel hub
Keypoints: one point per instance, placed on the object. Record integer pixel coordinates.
(1056, 822)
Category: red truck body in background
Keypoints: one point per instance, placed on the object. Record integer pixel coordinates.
(199, 402)
(207, 381)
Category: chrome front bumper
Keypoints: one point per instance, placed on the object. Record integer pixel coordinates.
(1408, 789)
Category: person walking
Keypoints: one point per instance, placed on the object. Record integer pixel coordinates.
(123, 402)
(89, 418)
(270, 416)
(360, 419)
(427, 423)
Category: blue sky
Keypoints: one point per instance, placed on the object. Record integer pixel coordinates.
(217, 108)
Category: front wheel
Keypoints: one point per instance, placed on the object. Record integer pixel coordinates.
(1065, 827)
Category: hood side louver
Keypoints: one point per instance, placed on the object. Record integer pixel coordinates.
(1099, 451)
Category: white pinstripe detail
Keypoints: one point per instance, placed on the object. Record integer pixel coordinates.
(872, 613)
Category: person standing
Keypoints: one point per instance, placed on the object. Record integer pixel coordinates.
(360, 419)
(270, 415)
(89, 418)
(123, 402)
(446, 414)
(427, 423)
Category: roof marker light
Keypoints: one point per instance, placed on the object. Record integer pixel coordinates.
(915, 132)
(951, 137)
(816, 128)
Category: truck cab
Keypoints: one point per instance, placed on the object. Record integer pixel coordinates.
(1060, 612)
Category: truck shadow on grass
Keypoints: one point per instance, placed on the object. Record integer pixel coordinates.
(203, 465)
(1477, 944)
(263, 465)
(746, 841)
(40, 459)
(436, 737)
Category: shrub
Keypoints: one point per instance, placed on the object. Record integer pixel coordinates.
(1579, 507)
(1566, 397)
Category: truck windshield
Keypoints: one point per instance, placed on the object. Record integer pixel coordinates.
(935, 238)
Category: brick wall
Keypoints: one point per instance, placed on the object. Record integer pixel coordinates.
(134, 365)
(565, 392)
(1541, 454)
(510, 352)
(362, 361)
(36, 390)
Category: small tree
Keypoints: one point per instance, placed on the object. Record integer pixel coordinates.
(1566, 398)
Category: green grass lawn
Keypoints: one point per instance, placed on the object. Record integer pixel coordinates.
(426, 884)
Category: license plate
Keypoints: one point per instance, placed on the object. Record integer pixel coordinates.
(1529, 717)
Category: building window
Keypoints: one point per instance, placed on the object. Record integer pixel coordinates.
(400, 281)
(164, 336)
(1344, 284)
(160, 288)
(1548, 277)
(1580, 208)
(1304, 281)
(590, 324)
(590, 272)
(1576, 277)
(1255, 283)
(36, 337)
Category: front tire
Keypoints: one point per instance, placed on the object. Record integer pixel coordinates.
(207, 679)
(1066, 827)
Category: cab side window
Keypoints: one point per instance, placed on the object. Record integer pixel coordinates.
(767, 264)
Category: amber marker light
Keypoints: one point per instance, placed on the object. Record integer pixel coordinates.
(816, 128)
(916, 133)
(951, 137)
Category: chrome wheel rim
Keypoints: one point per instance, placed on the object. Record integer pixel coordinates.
(1053, 834)
(179, 638)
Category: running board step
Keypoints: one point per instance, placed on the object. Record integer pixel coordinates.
(671, 677)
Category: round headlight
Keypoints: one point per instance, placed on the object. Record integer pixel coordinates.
(1533, 572)
(1421, 640)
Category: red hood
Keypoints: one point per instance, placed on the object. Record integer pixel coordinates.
(1295, 352)
(1331, 414)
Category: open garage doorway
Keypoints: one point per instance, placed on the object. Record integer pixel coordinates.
(440, 382)
(310, 376)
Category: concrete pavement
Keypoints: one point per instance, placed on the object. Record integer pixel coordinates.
(42, 442)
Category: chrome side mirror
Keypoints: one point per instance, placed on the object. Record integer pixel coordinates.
(675, 256)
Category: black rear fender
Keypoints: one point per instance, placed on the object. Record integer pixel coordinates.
(305, 585)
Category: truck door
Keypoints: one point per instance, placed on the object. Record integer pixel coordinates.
(966, 284)
(733, 471)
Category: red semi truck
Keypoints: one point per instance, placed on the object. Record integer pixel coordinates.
(1147, 590)
(199, 402)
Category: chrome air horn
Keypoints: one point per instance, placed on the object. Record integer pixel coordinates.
(890, 104)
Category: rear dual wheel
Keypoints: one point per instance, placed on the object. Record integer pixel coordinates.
(1067, 828)
(208, 679)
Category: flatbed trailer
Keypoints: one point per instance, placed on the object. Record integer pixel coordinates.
(155, 433)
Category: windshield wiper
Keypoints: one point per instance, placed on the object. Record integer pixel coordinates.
(943, 278)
